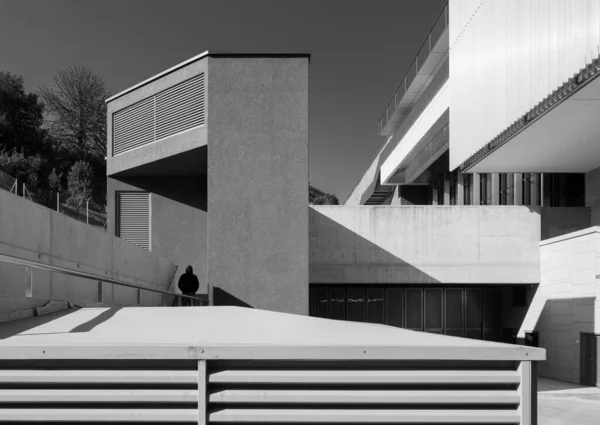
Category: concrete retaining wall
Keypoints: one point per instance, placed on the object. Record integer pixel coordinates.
(424, 244)
(31, 231)
(566, 302)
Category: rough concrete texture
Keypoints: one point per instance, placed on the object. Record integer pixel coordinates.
(166, 147)
(258, 181)
(592, 195)
(424, 244)
(560, 403)
(31, 231)
(178, 228)
(565, 303)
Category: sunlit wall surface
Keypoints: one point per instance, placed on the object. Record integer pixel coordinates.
(507, 56)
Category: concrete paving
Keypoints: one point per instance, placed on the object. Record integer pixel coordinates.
(562, 403)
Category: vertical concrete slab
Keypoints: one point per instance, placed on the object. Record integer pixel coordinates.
(592, 194)
(447, 189)
(475, 190)
(494, 183)
(518, 188)
(258, 181)
(460, 189)
(434, 200)
(535, 189)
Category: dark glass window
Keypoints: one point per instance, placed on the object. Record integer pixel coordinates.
(433, 310)
(355, 304)
(454, 312)
(321, 303)
(395, 306)
(414, 308)
(337, 303)
(375, 305)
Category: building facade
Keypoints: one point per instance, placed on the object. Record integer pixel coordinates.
(475, 219)
(195, 160)
(493, 117)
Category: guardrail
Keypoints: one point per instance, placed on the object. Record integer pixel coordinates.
(441, 23)
(100, 279)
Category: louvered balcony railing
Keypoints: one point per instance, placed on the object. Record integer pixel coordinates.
(174, 110)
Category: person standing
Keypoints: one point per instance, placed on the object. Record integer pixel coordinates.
(188, 285)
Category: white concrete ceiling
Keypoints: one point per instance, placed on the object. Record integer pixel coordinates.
(564, 140)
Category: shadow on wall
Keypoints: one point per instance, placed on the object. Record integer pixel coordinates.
(223, 298)
(190, 191)
(339, 255)
(558, 221)
(559, 324)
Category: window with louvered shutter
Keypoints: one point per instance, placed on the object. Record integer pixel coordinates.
(171, 111)
(133, 218)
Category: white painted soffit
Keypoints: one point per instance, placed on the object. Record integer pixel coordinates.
(430, 115)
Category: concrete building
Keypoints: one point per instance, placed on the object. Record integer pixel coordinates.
(484, 191)
(195, 174)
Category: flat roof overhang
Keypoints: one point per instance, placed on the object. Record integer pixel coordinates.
(232, 333)
(560, 135)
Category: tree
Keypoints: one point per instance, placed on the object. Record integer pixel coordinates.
(55, 181)
(78, 112)
(326, 199)
(21, 117)
(25, 168)
(79, 184)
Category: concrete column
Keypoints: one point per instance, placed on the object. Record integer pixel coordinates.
(546, 189)
(510, 191)
(434, 196)
(446, 188)
(460, 189)
(518, 188)
(535, 189)
(494, 181)
(475, 189)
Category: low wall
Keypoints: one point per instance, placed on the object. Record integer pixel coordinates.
(424, 244)
(565, 303)
(31, 231)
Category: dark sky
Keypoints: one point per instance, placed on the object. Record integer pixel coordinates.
(360, 49)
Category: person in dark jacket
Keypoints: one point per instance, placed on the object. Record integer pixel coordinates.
(188, 285)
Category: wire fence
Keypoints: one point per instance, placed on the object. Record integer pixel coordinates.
(88, 213)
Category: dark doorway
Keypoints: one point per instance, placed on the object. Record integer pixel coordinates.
(588, 359)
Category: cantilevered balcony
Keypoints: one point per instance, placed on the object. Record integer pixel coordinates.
(431, 56)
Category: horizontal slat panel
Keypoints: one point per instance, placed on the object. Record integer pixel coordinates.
(366, 396)
(134, 218)
(174, 110)
(180, 108)
(99, 376)
(133, 126)
(367, 377)
(367, 416)
(100, 415)
(98, 396)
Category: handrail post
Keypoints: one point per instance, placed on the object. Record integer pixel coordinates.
(57, 201)
(87, 211)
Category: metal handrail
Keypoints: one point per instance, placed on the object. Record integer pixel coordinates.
(84, 275)
(427, 40)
